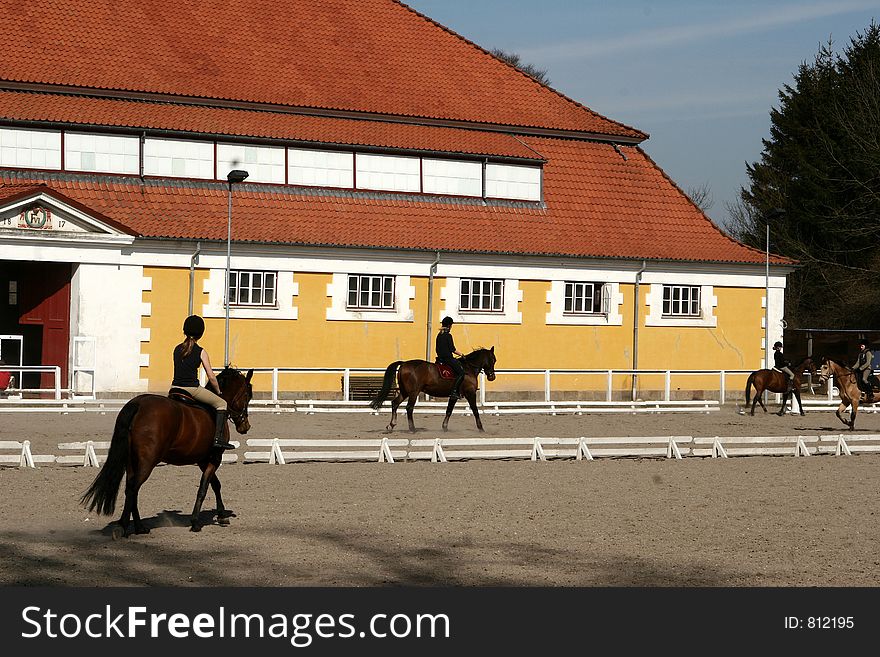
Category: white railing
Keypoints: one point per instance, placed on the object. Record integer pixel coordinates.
(18, 370)
(669, 375)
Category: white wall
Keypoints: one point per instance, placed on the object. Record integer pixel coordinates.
(108, 306)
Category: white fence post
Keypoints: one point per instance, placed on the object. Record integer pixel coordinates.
(274, 384)
(346, 384)
(482, 389)
(667, 385)
(57, 382)
(723, 387)
(546, 385)
(608, 391)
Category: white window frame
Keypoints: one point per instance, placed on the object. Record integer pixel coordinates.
(385, 285)
(487, 289)
(575, 291)
(337, 290)
(679, 301)
(612, 301)
(235, 278)
(656, 317)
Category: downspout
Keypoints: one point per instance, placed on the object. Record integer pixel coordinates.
(192, 274)
(431, 273)
(635, 353)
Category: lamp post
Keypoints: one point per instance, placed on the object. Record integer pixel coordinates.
(773, 214)
(234, 176)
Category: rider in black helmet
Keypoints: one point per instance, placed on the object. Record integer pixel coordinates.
(188, 355)
(446, 353)
(781, 363)
(864, 370)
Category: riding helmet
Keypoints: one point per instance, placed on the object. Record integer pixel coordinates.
(194, 326)
(777, 344)
(446, 321)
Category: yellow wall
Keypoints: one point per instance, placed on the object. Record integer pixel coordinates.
(312, 341)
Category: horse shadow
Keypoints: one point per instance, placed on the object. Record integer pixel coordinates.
(171, 518)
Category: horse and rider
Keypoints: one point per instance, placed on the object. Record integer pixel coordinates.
(186, 427)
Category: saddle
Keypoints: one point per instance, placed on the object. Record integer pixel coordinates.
(182, 396)
(445, 371)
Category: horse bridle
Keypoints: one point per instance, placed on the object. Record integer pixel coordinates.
(238, 416)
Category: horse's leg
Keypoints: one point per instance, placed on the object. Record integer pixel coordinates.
(840, 408)
(449, 406)
(797, 394)
(852, 415)
(781, 410)
(759, 397)
(395, 403)
(222, 514)
(410, 405)
(207, 472)
(134, 479)
(472, 400)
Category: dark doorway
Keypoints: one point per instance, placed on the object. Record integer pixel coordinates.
(35, 303)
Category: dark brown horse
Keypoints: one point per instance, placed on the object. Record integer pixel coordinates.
(417, 376)
(776, 381)
(152, 429)
(847, 384)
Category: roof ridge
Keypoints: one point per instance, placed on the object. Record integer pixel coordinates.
(594, 113)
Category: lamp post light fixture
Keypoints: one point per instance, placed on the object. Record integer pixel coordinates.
(773, 214)
(234, 176)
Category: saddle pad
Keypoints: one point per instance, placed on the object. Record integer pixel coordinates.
(445, 371)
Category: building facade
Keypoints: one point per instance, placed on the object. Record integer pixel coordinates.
(395, 176)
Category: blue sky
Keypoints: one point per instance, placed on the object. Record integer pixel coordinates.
(698, 77)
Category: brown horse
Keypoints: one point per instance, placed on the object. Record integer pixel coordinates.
(417, 376)
(846, 382)
(776, 381)
(152, 429)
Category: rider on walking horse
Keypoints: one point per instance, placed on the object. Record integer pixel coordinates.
(864, 370)
(188, 355)
(781, 363)
(445, 350)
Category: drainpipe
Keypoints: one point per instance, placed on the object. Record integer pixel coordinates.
(192, 274)
(635, 355)
(431, 273)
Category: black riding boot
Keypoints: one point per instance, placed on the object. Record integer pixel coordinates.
(219, 441)
(456, 387)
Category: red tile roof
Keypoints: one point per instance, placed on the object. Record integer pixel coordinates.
(81, 110)
(597, 204)
(375, 56)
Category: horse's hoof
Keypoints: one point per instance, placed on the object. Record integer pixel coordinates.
(119, 532)
(196, 527)
(802, 413)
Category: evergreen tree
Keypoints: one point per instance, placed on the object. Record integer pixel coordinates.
(821, 165)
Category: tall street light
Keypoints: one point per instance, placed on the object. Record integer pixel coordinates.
(770, 216)
(234, 176)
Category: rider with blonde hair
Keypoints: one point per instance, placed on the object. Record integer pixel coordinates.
(188, 356)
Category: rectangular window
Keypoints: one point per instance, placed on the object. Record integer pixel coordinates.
(263, 163)
(482, 295)
(109, 153)
(681, 300)
(370, 292)
(584, 298)
(39, 149)
(513, 181)
(252, 288)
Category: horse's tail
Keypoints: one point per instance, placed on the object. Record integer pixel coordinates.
(387, 383)
(749, 382)
(101, 495)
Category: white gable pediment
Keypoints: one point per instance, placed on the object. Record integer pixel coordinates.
(45, 217)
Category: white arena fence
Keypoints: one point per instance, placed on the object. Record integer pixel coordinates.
(62, 400)
(279, 451)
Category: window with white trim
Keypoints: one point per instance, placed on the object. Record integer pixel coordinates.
(481, 295)
(368, 292)
(586, 298)
(681, 300)
(252, 288)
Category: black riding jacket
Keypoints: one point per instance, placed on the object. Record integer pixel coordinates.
(445, 346)
(780, 361)
(186, 368)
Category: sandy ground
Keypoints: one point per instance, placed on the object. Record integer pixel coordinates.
(744, 521)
